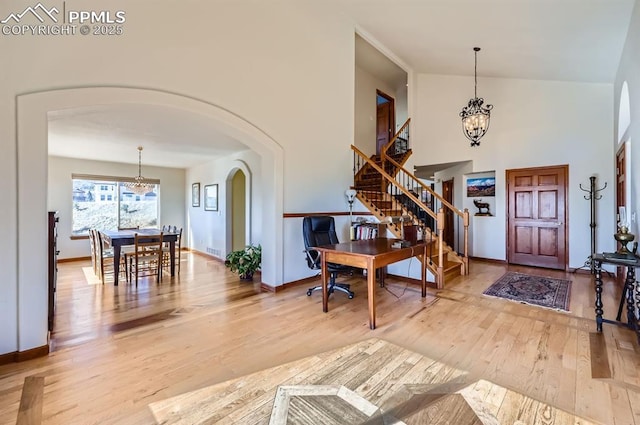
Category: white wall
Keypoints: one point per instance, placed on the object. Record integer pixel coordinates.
(533, 123)
(172, 195)
(208, 230)
(629, 71)
(366, 85)
(282, 69)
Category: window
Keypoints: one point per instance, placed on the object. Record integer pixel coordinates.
(94, 209)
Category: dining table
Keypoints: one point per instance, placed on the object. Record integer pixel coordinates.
(119, 238)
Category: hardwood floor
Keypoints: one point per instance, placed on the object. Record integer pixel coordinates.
(118, 351)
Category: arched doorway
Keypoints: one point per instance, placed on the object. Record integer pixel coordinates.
(32, 110)
(238, 211)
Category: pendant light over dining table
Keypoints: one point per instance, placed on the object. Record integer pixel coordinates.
(476, 115)
(139, 186)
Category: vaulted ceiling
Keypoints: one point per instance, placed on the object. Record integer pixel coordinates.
(567, 40)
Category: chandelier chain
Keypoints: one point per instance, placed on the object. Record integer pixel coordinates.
(475, 74)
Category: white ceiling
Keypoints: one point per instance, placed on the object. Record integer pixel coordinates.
(569, 40)
(170, 137)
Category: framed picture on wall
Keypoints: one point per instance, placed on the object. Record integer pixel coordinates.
(211, 197)
(477, 187)
(195, 195)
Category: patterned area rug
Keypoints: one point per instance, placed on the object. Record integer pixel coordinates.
(535, 290)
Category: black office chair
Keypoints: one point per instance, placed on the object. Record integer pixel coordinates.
(317, 231)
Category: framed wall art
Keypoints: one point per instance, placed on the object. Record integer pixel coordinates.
(195, 195)
(478, 187)
(211, 197)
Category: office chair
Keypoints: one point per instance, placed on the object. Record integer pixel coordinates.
(317, 231)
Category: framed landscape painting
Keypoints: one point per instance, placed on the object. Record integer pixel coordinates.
(211, 197)
(195, 195)
(477, 187)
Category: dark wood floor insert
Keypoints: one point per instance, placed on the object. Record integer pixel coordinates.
(599, 358)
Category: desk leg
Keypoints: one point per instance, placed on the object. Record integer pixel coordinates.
(172, 257)
(371, 286)
(116, 264)
(598, 269)
(424, 273)
(325, 289)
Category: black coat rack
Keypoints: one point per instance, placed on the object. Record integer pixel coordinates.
(593, 196)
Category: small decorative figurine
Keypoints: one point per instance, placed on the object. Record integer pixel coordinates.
(482, 206)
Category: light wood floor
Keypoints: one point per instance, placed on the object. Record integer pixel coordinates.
(118, 351)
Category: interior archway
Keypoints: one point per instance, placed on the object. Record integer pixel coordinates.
(32, 109)
(235, 222)
(624, 112)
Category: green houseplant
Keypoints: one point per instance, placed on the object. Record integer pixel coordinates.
(245, 261)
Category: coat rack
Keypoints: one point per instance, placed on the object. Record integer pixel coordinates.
(593, 196)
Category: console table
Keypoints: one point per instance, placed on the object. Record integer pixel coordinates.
(630, 261)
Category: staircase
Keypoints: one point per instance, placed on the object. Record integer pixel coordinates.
(390, 192)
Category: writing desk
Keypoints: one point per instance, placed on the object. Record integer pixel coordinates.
(631, 262)
(368, 254)
(119, 238)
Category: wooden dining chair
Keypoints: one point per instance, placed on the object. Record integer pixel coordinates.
(146, 259)
(166, 250)
(104, 257)
(92, 246)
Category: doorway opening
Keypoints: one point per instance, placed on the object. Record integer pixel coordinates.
(238, 211)
(449, 231)
(385, 119)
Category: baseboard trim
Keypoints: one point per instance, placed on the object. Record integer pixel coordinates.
(488, 260)
(293, 283)
(23, 356)
(69, 260)
(206, 255)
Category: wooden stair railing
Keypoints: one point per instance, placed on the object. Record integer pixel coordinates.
(404, 177)
(395, 195)
(399, 144)
(397, 149)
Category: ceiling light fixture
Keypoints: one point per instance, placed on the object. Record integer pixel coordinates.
(476, 115)
(139, 186)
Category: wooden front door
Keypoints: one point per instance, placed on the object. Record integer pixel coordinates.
(537, 214)
(621, 199)
(447, 194)
(621, 190)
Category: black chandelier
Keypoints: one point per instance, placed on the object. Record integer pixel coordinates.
(476, 115)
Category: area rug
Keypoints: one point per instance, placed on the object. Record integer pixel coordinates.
(540, 291)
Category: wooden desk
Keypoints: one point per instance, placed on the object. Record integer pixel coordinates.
(368, 254)
(631, 262)
(119, 238)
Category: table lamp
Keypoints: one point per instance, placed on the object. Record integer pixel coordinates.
(623, 236)
(351, 196)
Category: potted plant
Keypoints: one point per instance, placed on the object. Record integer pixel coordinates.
(245, 261)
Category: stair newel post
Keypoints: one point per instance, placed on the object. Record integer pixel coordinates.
(465, 259)
(440, 280)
